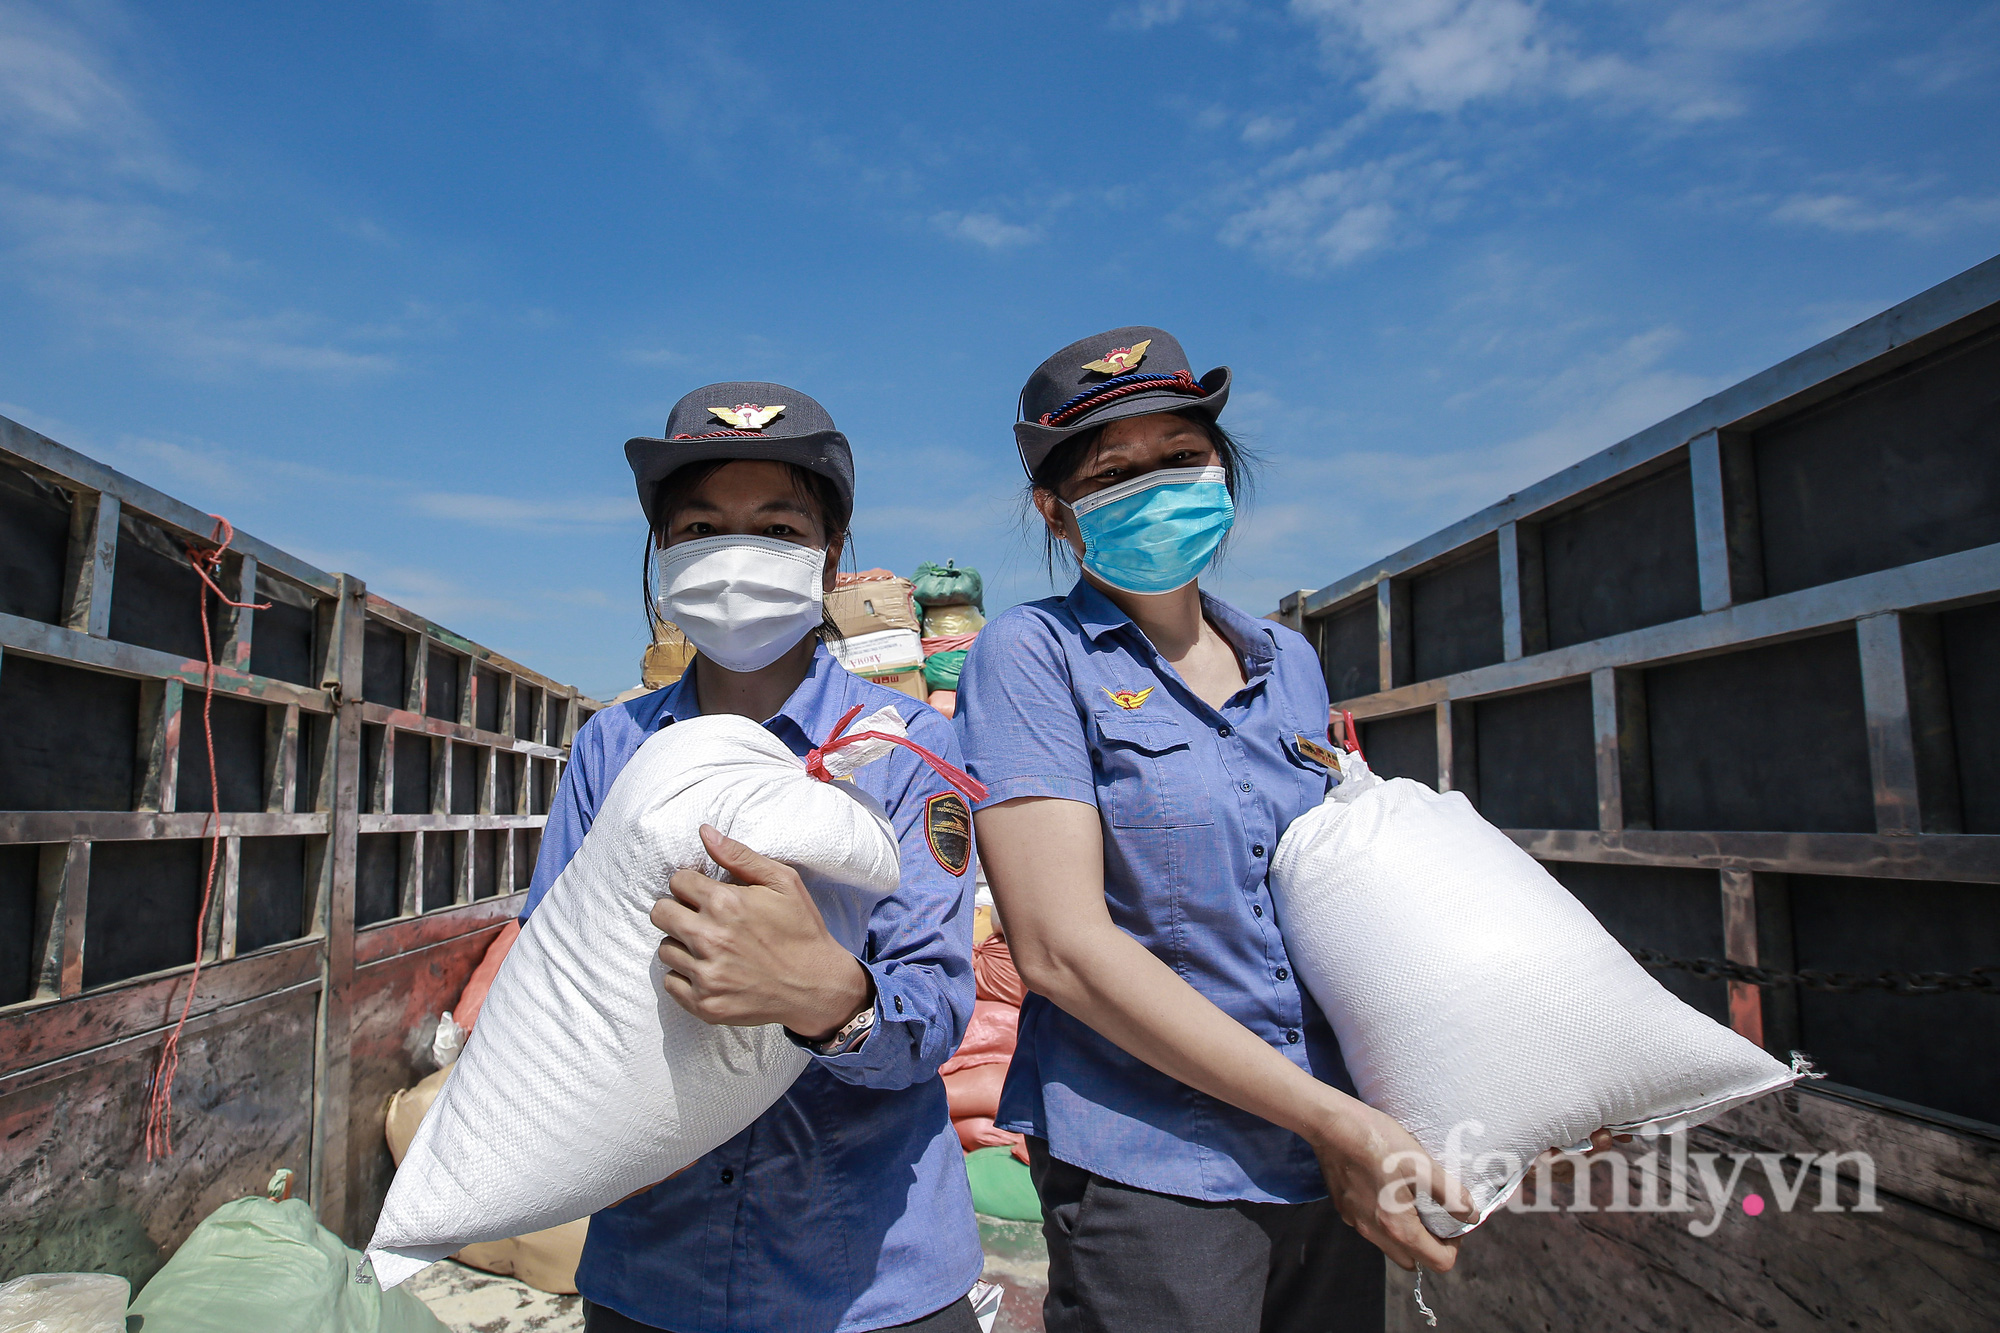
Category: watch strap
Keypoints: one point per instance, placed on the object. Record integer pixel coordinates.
(850, 1036)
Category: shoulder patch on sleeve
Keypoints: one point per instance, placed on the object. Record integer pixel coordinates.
(948, 830)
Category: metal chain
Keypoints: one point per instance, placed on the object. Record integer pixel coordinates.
(1985, 980)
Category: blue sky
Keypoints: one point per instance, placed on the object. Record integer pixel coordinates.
(391, 283)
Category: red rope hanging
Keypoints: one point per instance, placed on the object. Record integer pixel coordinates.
(160, 1100)
(967, 785)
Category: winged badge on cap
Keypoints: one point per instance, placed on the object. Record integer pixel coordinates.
(1119, 359)
(748, 416)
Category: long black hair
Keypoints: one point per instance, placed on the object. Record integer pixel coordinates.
(817, 493)
(1061, 464)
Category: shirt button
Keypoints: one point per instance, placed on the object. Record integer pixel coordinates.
(1258, 850)
(728, 1175)
(1246, 786)
(1226, 731)
(1257, 909)
(1284, 973)
(1292, 1036)
(899, 1004)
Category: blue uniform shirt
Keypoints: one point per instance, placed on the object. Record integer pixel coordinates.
(1065, 697)
(845, 1206)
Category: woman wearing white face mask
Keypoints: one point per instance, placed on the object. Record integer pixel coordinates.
(845, 1206)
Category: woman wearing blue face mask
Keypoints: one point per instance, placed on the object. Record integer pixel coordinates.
(845, 1206)
(1144, 745)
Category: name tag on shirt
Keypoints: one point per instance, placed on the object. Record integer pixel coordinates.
(1319, 754)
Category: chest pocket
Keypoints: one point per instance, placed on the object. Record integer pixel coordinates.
(1148, 772)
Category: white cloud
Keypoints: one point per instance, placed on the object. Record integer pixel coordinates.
(1361, 503)
(60, 100)
(1436, 55)
(1440, 56)
(102, 223)
(518, 513)
(1382, 176)
(653, 356)
(1327, 218)
(1143, 15)
(1852, 213)
(1148, 14)
(1959, 60)
(985, 229)
(1262, 130)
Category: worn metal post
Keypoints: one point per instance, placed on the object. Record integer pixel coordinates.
(1524, 620)
(1728, 551)
(1458, 758)
(1739, 942)
(1624, 758)
(1392, 631)
(330, 1176)
(1912, 757)
(93, 554)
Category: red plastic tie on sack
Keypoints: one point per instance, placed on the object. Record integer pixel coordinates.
(160, 1099)
(968, 786)
(1353, 736)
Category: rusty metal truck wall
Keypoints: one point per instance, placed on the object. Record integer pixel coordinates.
(383, 783)
(1736, 681)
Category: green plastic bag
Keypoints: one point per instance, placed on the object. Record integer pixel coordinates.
(255, 1264)
(948, 585)
(1001, 1186)
(941, 669)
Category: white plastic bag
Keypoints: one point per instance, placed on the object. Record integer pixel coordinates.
(64, 1303)
(586, 1082)
(448, 1041)
(1478, 1003)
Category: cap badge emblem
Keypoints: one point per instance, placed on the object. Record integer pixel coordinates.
(1119, 359)
(1129, 699)
(748, 416)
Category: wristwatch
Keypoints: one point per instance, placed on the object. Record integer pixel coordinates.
(848, 1039)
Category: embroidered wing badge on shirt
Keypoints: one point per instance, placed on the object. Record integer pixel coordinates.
(1129, 699)
(1119, 359)
(748, 416)
(948, 830)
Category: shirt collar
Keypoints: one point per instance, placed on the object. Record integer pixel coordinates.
(812, 709)
(1098, 616)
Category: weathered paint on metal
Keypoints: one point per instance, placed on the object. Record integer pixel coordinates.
(79, 1059)
(76, 1191)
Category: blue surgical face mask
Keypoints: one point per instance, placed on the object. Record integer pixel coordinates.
(1156, 532)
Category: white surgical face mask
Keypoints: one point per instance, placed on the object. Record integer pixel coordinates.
(742, 601)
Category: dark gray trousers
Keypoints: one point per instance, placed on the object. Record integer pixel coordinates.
(954, 1318)
(1126, 1260)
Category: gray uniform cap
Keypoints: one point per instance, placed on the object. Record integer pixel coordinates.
(736, 419)
(1127, 372)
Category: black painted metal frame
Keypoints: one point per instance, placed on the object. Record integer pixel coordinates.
(536, 719)
(1892, 614)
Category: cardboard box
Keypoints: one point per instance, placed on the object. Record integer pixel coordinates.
(910, 682)
(879, 604)
(665, 663)
(883, 650)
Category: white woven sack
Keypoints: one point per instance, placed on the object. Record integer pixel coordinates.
(1479, 1004)
(586, 1082)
